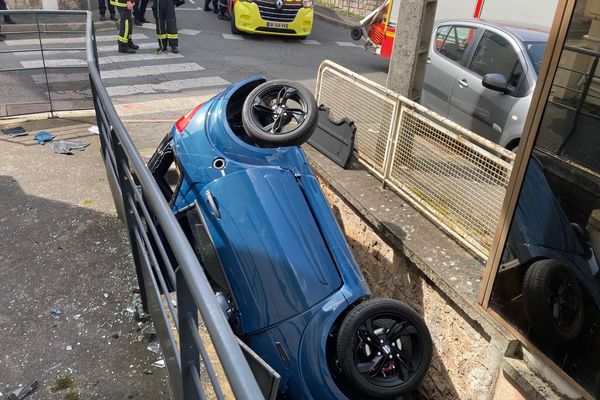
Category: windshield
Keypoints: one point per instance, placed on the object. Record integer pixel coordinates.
(536, 53)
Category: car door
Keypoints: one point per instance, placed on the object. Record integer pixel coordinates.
(482, 110)
(446, 55)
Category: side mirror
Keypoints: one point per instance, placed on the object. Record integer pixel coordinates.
(496, 82)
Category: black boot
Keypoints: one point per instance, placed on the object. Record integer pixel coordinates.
(144, 20)
(133, 46)
(102, 17)
(9, 20)
(113, 17)
(138, 21)
(126, 49)
(2, 36)
(174, 49)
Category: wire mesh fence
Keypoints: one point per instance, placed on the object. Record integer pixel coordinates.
(453, 176)
(28, 59)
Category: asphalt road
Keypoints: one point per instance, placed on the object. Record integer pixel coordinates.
(210, 58)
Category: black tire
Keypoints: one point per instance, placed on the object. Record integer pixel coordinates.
(280, 113)
(356, 32)
(378, 328)
(234, 28)
(553, 301)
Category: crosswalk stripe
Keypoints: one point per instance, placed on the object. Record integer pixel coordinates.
(68, 40)
(144, 70)
(310, 41)
(170, 86)
(189, 32)
(348, 44)
(232, 36)
(101, 49)
(74, 62)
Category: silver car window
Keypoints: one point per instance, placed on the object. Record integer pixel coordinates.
(455, 42)
(495, 54)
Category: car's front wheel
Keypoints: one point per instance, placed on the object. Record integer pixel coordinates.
(383, 348)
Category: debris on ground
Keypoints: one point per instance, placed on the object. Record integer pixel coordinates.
(14, 132)
(67, 146)
(148, 330)
(94, 129)
(71, 395)
(55, 312)
(154, 347)
(42, 137)
(17, 130)
(63, 382)
(160, 363)
(23, 391)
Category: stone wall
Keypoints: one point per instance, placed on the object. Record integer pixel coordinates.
(358, 7)
(466, 361)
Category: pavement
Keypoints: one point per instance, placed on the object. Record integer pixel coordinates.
(68, 282)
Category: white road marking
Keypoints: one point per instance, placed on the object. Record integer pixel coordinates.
(144, 70)
(192, 1)
(67, 40)
(101, 49)
(347, 44)
(151, 26)
(188, 9)
(232, 36)
(170, 86)
(73, 62)
(310, 41)
(189, 32)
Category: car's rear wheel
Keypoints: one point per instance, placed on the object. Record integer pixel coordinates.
(383, 348)
(280, 113)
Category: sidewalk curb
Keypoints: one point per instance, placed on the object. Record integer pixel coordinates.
(339, 22)
(54, 27)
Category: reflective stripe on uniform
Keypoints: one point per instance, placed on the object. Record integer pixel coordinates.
(118, 4)
(125, 37)
(172, 36)
(160, 37)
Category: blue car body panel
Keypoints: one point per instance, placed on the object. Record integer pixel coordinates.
(289, 266)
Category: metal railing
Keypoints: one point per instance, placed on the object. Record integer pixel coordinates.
(455, 177)
(575, 96)
(53, 87)
(164, 259)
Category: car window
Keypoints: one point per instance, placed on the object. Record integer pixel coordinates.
(495, 54)
(452, 42)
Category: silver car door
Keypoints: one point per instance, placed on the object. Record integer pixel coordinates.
(482, 110)
(443, 63)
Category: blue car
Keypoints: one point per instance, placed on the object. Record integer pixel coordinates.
(285, 276)
(560, 272)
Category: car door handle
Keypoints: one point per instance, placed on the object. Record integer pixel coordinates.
(428, 60)
(463, 83)
(213, 204)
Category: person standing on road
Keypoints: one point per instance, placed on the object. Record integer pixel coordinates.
(7, 17)
(139, 12)
(102, 10)
(125, 8)
(166, 25)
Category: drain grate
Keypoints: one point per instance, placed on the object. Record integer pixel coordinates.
(13, 109)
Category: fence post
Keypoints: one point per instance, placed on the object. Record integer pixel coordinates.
(190, 355)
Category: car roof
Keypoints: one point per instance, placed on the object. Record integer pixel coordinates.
(522, 33)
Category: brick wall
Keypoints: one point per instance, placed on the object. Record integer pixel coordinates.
(359, 7)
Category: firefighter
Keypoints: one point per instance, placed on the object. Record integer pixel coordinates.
(166, 25)
(125, 8)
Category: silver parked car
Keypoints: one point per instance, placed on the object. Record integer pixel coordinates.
(481, 75)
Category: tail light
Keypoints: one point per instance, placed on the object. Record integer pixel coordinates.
(183, 122)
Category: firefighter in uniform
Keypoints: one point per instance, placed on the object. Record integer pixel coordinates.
(166, 25)
(125, 8)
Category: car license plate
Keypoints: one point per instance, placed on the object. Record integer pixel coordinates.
(278, 25)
